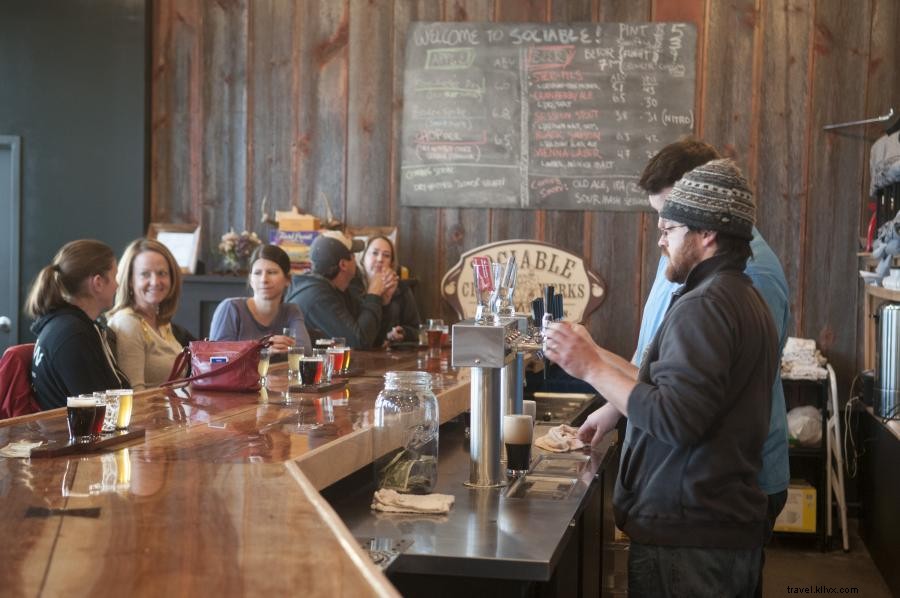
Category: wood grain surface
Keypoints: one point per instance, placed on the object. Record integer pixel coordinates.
(212, 501)
(291, 102)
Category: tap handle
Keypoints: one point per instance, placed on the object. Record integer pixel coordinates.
(548, 298)
(558, 307)
(537, 310)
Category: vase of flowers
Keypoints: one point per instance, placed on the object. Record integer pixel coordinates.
(236, 249)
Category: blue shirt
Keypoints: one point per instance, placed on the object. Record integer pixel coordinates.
(233, 321)
(768, 278)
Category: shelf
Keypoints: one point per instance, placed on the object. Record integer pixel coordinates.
(883, 293)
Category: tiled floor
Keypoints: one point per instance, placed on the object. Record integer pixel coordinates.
(797, 563)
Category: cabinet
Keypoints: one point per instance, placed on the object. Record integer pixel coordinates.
(810, 463)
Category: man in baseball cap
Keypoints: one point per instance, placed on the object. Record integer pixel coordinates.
(687, 492)
(330, 309)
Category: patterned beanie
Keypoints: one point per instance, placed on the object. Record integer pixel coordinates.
(714, 196)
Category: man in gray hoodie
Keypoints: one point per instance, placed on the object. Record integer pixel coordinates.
(330, 309)
(687, 492)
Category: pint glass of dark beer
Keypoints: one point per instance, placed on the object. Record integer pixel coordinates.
(517, 433)
(80, 413)
(310, 370)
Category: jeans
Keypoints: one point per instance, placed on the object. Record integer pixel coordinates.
(776, 504)
(679, 571)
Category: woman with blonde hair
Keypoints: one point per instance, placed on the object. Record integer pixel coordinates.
(71, 355)
(149, 288)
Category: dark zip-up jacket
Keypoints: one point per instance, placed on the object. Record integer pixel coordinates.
(700, 415)
(70, 358)
(336, 313)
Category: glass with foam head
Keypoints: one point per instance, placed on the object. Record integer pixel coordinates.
(517, 436)
(80, 414)
(294, 355)
(263, 368)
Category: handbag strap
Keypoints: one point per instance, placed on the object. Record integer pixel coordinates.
(242, 356)
(180, 365)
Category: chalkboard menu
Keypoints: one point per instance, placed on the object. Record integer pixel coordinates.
(561, 116)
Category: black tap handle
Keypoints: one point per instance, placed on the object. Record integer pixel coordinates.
(548, 299)
(558, 307)
(537, 310)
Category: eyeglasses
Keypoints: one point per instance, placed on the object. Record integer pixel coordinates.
(664, 231)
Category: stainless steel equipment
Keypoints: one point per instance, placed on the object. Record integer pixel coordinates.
(887, 362)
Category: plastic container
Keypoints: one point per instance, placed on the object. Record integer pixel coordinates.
(406, 433)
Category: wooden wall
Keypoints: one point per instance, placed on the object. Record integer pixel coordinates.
(267, 103)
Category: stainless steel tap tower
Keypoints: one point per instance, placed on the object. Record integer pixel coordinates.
(495, 353)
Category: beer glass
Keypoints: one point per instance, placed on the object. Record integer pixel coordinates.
(126, 400)
(111, 416)
(263, 368)
(99, 413)
(346, 369)
(517, 436)
(335, 362)
(293, 358)
(310, 370)
(530, 408)
(435, 332)
(80, 413)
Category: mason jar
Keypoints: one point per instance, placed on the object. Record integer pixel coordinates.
(406, 433)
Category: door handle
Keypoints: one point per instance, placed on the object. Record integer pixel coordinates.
(5, 324)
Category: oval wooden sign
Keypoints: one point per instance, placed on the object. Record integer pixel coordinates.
(540, 264)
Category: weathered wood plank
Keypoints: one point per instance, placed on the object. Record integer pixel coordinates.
(270, 110)
(369, 113)
(518, 224)
(224, 147)
(419, 228)
(828, 311)
(175, 108)
(781, 156)
(462, 229)
(726, 116)
(321, 32)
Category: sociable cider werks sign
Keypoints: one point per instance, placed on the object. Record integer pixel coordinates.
(540, 264)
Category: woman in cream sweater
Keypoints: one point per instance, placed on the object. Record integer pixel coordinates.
(149, 288)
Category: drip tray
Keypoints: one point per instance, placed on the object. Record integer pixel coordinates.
(384, 551)
(569, 465)
(542, 487)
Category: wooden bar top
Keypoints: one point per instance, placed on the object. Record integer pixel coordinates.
(220, 496)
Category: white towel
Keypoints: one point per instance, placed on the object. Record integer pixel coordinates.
(800, 360)
(391, 501)
(20, 449)
(560, 439)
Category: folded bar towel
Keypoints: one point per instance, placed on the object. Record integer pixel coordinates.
(20, 449)
(391, 501)
(560, 439)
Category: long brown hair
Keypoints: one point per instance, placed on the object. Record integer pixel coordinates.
(64, 279)
(125, 293)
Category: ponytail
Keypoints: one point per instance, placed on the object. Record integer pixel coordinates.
(64, 279)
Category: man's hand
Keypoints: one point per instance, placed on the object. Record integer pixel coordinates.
(571, 346)
(598, 424)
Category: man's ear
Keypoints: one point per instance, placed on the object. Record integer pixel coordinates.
(708, 238)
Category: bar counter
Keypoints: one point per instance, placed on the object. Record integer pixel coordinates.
(222, 497)
(219, 498)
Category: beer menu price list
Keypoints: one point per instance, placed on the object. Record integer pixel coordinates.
(541, 116)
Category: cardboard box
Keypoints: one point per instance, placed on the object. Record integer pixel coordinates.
(799, 513)
(292, 220)
(296, 245)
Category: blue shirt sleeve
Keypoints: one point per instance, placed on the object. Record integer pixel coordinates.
(225, 322)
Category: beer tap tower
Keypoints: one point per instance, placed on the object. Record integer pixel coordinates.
(493, 345)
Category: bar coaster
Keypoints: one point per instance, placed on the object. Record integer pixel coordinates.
(318, 388)
(106, 440)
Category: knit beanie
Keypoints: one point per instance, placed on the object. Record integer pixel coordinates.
(714, 196)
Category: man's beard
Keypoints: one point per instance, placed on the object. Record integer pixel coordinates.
(680, 265)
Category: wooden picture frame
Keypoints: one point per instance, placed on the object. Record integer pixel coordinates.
(183, 240)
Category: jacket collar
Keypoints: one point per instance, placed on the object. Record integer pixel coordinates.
(706, 269)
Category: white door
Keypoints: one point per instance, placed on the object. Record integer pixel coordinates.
(10, 160)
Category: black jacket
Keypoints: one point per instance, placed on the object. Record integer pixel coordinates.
(337, 313)
(401, 311)
(70, 359)
(699, 416)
